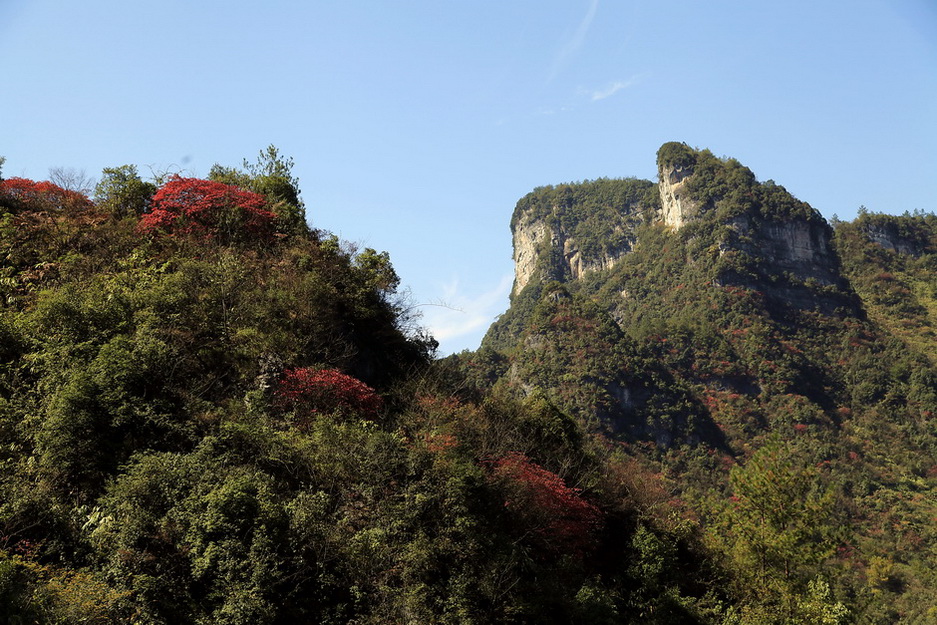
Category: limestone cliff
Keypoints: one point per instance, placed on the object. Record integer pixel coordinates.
(565, 232)
(530, 236)
(557, 254)
(764, 219)
(766, 238)
(676, 205)
(706, 246)
(903, 235)
(797, 247)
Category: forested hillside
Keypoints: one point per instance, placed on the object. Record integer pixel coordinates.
(211, 413)
(705, 405)
(778, 372)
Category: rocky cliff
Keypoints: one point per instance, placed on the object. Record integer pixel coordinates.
(553, 253)
(676, 205)
(779, 235)
(630, 256)
(764, 238)
(565, 232)
(903, 235)
(714, 323)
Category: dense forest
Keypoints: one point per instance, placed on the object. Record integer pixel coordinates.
(774, 370)
(212, 412)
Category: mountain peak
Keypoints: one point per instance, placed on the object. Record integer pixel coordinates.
(753, 234)
(566, 231)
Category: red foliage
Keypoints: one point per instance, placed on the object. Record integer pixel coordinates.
(439, 443)
(25, 194)
(206, 208)
(316, 391)
(557, 513)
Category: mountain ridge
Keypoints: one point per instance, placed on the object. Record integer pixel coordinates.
(755, 219)
(212, 413)
(730, 317)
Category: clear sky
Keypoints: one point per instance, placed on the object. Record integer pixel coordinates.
(417, 125)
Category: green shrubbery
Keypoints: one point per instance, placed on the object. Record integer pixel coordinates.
(246, 428)
(249, 429)
(792, 416)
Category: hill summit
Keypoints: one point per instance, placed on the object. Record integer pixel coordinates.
(710, 321)
(762, 236)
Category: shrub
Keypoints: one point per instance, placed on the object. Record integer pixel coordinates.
(21, 194)
(311, 391)
(185, 206)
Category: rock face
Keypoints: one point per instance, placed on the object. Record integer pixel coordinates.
(676, 205)
(550, 253)
(800, 248)
(580, 264)
(529, 237)
(565, 232)
(799, 244)
(888, 235)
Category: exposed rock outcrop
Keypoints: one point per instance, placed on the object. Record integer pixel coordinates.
(771, 241)
(530, 236)
(556, 255)
(801, 248)
(560, 236)
(889, 236)
(676, 205)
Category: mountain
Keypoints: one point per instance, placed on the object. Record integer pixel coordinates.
(704, 405)
(212, 413)
(722, 330)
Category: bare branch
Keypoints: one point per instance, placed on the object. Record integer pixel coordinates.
(71, 179)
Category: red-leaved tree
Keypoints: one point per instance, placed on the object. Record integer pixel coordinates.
(310, 392)
(185, 206)
(22, 194)
(553, 512)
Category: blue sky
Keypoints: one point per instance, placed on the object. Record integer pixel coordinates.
(416, 126)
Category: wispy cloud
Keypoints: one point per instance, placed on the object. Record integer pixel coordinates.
(612, 88)
(553, 111)
(460, 319)
(569, 48)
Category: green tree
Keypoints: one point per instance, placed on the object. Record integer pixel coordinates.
(271, 175)
(782, 521)
(122, 192)
(378, 271)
